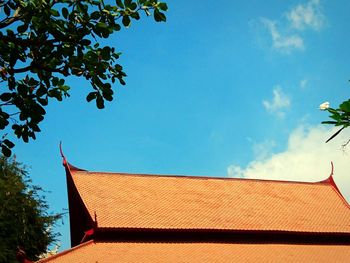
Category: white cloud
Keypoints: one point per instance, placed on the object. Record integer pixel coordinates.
(283, 43)
(286, 35)
(304, 83)
(306, 16)
(307, 158)
(279, 102)
(264, 149)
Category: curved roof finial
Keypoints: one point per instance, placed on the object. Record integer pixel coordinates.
(330, 180)
(62, 155)
(331, 175)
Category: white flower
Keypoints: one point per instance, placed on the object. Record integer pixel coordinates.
(324, 105)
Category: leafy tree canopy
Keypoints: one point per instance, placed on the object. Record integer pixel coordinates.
(24, 221)
(44, 41)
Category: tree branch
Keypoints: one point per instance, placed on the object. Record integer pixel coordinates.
(37, 66)
(6, 104)
(8, 21)
(343, 146)
(20, 70)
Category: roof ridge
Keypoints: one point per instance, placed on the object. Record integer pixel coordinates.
(198, 177)
(327, 181)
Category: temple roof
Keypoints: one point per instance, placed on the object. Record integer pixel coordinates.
(157, 218)
(110, 252)
(136, 201)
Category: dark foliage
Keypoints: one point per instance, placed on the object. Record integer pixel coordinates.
(24, 222)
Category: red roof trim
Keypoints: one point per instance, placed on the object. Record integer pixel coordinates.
(65, 162)
(90, 223)
(87, 234)
(330, 181)
(73, 168)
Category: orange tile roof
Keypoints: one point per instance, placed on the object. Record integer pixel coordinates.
(170, 202)
(200, 252)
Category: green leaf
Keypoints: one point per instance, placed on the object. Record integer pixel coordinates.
(345, 106)
(65, 12)
(54, 13)
(329, 122)
(91, 96)
(41, 91)
(6, 96)
(7, 10)
(126, 21)
(61, 82)
(85, 42)
(127, 3)
(25, 137)
(108, 94)
(100, 102)
(135, 15)
(335, 116)
(122, 81)
(8, 143)
(64, 88)
(163, 6)
(133, 6)
(34, 127)
(95, 15)
(54, 81)
(3, 121)
(22, 28)
(5, 151)
(43, 102)
(105, 53)
(159, 16)
(119, 3)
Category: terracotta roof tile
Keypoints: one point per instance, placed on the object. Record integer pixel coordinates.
(169, 202)
(200, 252)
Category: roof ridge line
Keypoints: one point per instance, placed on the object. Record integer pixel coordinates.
(195, 177)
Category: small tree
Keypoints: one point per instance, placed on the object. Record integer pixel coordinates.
(340, 117)
(25, 224)
(44, 41)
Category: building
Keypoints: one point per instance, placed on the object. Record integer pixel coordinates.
(117, 217)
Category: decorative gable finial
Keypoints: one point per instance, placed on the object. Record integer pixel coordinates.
(62, 155)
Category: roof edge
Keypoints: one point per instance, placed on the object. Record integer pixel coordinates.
(64, 252)
(330, 181)
(80, 222)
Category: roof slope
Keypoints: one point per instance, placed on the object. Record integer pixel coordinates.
(129, 201)
(200, 252)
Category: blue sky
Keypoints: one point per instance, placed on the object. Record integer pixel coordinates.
(223, 88)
